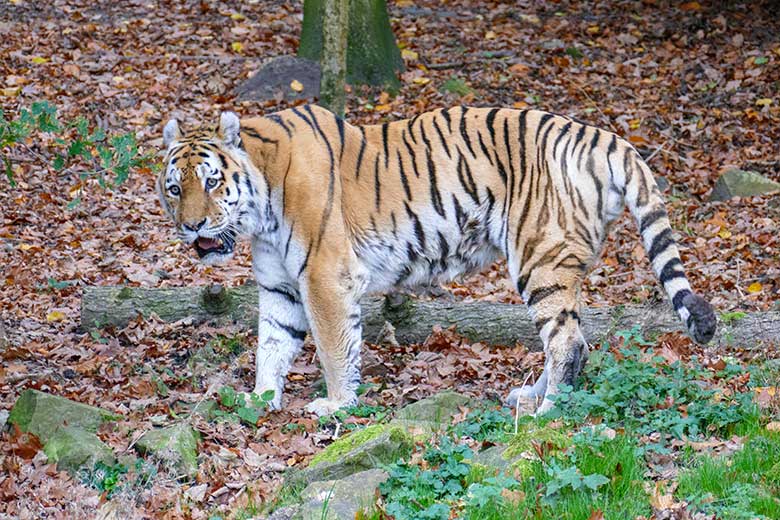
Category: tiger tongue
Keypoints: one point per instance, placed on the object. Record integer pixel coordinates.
(208, 243)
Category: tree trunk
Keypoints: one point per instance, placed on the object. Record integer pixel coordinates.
(373, 57)
(334, 55)
(491, 323)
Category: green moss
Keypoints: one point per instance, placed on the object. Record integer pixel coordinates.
(124, 294)
(43, 414)
(549, 439)
(349, 442)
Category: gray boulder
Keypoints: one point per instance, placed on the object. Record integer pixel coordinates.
(433, 413)
(341, 499)
(275, 76)
(742, 183)
(43, 414)
(365, 449)
(73, 448)
(176, 445)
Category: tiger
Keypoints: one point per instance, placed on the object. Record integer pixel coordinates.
(334, 211)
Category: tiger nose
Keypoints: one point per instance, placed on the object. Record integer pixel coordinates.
(193, 226)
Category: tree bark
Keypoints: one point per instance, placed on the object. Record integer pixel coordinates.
(373, 57)
(488, 322)
(334, 54)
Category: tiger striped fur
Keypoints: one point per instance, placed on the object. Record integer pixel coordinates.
(334, 211)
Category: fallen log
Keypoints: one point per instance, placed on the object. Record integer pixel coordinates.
(413, 319)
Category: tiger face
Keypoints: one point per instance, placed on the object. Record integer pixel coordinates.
(200, 187)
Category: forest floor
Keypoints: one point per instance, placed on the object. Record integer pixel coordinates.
(693, 86)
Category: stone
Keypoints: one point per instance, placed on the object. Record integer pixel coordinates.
(553, 45)
(340, 499)
(285, 513)
(742, 183)
(176, 445)
(43, 414)
(662, 182)
(273, 80)
(3, 418)
(369, 448)
(73, 448)
(433, 413)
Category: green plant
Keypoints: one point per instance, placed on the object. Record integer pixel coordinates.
(236, 406)
(75, 148)
(112, 478)
(485, 424)
(625, 388)
(413, 493)
(457, 86)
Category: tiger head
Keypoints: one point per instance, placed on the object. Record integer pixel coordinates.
(207, 187)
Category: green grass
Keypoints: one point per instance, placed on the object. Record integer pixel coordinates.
(650, 395)
(745, 485)
(589, 454)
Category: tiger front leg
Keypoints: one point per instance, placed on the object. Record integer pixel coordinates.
(282, 324)
(332, 297)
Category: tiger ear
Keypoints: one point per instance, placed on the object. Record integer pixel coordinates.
(229, 127)
(171, 132)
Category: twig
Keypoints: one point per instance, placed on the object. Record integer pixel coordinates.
(446, 65)
(517, 403)
(663, 145)
(739, 290)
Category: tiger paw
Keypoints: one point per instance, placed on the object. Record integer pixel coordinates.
(324, 406)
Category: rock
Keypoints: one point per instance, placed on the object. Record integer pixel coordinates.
(492, 457)
(285, 513)
(73, 448)
(662, 182)
(205, 409)
(742, 183)
(433, 413)
(362, 450)
(498, 457)
(43, 414)
(275, 76)
(339, 499)
(3, 419)
(553, 45)
(176, 445)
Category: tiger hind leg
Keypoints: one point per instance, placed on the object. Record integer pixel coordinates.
(552, 296)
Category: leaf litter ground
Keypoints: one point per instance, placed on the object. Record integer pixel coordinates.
(694, 87)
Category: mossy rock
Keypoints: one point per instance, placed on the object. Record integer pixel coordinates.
(345, 498)
(43, 414)
(433, 413)
(176, 444)
(369, 448)
(742, 183)
(73, 449)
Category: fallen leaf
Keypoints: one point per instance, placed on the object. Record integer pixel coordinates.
(237, 46)
(773, 426)
(691, 6)
(55, 316)
(408, 55)
(38, 60)
(519, 69)
(754, 287)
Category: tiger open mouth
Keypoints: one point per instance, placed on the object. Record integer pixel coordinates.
(223, 244)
